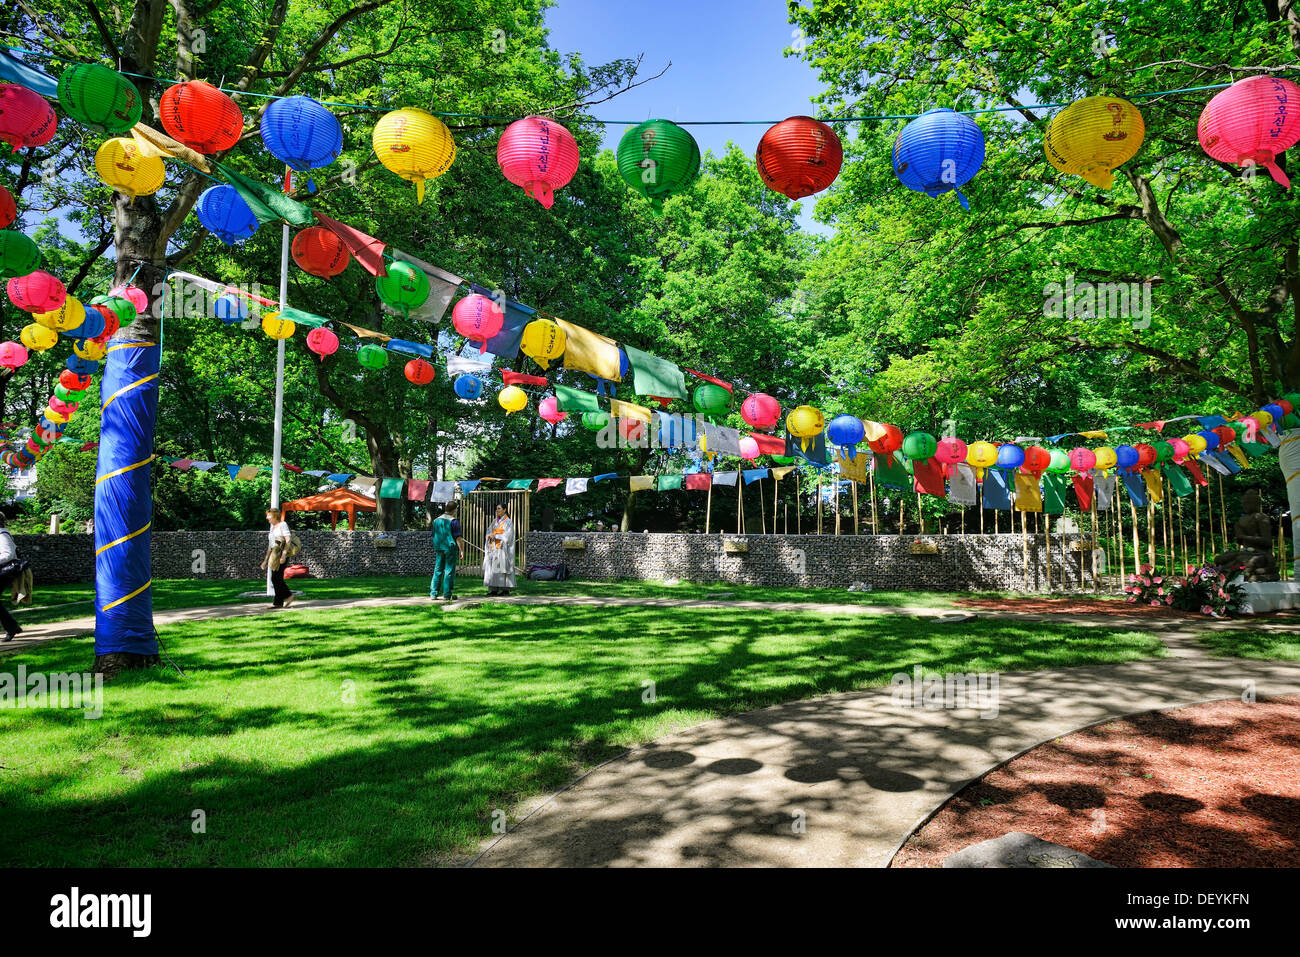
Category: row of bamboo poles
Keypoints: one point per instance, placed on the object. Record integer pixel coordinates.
(1169, 547)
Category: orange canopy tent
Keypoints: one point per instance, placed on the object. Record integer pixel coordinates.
(334, 501)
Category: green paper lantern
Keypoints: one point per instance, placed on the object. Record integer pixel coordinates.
(920, 445)
(1164, 451)
(710, 399)
(406, 287)
(93, 94)
(1060, 461)
(784, 459)
(1291, 421)
(595, 421)
(69, 395)
(18, 254)
(658, 159)
(124, 308)
(373, 356)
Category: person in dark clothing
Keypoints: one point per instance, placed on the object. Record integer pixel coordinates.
(10, 566)
(448, 548)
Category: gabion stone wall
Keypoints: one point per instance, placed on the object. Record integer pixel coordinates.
(957, 563)
(58, 559)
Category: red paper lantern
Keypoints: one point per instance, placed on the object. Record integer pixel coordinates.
(1226, 435)
(1287, 407)
(132, 294)
(538, 154)
(889, 443)
(323, 341)
(799, 156)
(549, 409)
(951, 450)
(36, 292)
(12, 355)
(111, 323)
(25, 118)
(1147, 455)
(1037, 459)
(419, 372)
(72, 381)
(477, 318)
(201, 116)
(319, 251)
(8, 208)
(760, 411)
(1252, 122)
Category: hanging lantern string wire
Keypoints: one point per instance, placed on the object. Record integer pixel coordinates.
(496, 118)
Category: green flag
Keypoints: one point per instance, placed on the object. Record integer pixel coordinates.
(667, 482)
(1054, 487)
(654, 376)
(391, 487)
(303, 318)
(519, 484)
(267, 203)
(1178, 480)
(575, 400)
(1255, 449)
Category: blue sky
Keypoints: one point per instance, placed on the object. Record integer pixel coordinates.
(727, 64)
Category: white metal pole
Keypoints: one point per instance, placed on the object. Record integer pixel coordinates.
(279, 388)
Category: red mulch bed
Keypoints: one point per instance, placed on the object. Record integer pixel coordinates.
(1212, 785)
(1075, 606)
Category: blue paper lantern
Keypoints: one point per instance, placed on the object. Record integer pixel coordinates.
(1275, 411)
(938, 152)
(468, 386)
(1211, 440)
(82, 366)
(230, 309)
(846, 431)
(1010, 456)
(91, 326)
(223, 212)
(1126, 456)
(301, 133)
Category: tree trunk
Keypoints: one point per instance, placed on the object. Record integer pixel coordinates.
(384, 462)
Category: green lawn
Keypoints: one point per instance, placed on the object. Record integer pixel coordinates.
(61, 602)
(1268, 645)
(388, 736)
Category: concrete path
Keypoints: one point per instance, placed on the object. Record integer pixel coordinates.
(840, 780)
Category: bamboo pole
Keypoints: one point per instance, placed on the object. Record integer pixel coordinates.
(1118, 506)
(1024, 539)
(1182, 538)
(1151, 542)
(871, 489)
(1200, 555)
(819, 503)
(920, 513)
(1047, 542)
(855, 508)
(708, 507)
(762, 510)
(740, 500)
(979, 503)
(798, 502)
(836, 499)
(1096, 544)
(1223, 515)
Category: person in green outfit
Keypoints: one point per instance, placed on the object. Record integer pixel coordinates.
(448, 548)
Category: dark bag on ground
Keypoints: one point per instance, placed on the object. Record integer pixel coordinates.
(557, 572)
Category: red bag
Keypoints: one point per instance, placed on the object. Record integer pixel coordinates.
(296, 571)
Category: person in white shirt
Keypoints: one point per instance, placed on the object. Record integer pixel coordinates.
(10, 565)
(277, 547)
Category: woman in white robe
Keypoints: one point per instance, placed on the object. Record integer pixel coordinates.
(499, 554)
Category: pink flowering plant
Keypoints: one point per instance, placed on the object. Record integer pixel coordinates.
(1205, 591)
(1149, 587)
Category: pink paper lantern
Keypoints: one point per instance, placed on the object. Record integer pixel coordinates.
(1252, 122)
(549, 409)
(748, 448)
(477, 318)
(1083, 460)
(538, 154)
(12, 355)
(1181, 449)
(760, 411)
(322, 341)
(25, 118)
(950, 451)
(134, 294)
(36, 292)
(61, 407)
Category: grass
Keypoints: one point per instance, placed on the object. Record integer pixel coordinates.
(52, 603)
(1246, 643)
(388, 736)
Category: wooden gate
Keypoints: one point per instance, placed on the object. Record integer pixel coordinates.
(477, 514)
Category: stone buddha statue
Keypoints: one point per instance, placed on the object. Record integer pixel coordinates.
(1254, 533)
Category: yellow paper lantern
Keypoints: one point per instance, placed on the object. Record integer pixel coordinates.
(1093, 136)
(1195, 443)
(982, 455)
(122, 166)
(68, 316)
(90, 349)
(38, 338)
(56, 417)
(543, 341)
(1106, 457)
(804, 422)
(277, 328)
(1263, 417)
(415, 145)
(512, 398)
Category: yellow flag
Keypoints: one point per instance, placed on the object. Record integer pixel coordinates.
(639, 483)
(589, 351)
(1155, 487)
(627, 410)
(855, 468)
(1028, 498)
(366, 333)
(1097, 434)
(247, 472)
(1239, 456)
(153, 143)
(782, 472)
